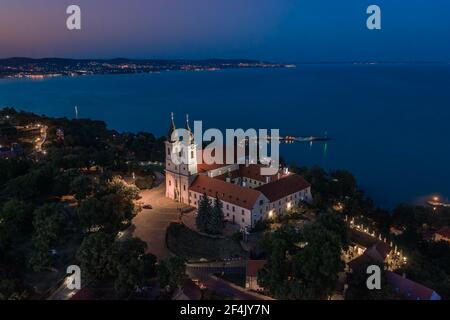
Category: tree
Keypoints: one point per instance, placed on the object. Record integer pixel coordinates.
(357, 286)
(344, 184)
(317, 265)
(128, 263)
(273, 277)
(203, 212)
(49, 224)
(303, 265)
(110, 209)
(82, 186)
(215, 221)
(171, 272)
(89, 213)
(94, 255)
(33, 185)
(16, 216)
(333, 222)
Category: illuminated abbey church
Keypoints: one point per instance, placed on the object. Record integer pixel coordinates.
(246, 195)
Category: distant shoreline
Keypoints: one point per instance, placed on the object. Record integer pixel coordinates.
(53, 67)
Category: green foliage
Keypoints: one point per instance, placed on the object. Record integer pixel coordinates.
(357, 286)
(10, 289)
(304, 265)
(334, 223)
(145, 146)
(145, 182)
(216, 222)
(94, 255)
(30, 223)
(61, 185)
(210, 217)
(49, 223)
(429, 264)
(90, 213)
(261, 225)
(171, 272)
(203, 212)
(110, 209)
(82, 186)
(31, 186)
(16, 216)
(317, 265)
(125, 261)
(128, 263)
(13, 168)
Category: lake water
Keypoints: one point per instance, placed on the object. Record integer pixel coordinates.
(389, 124)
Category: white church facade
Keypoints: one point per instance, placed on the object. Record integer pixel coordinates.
(246, 195)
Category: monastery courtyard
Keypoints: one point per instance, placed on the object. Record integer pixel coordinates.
(150, 224)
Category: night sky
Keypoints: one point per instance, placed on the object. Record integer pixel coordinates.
(277, 30)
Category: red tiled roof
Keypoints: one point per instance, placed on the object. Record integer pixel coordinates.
(253, 171)
(410, 289)
(232, 174)
(228, 192)
(444, 232)
(203, 167)
(253, 266)
(282, 188)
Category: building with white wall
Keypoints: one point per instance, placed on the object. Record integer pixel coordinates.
(247, 196)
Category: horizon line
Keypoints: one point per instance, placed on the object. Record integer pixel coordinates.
(248, 59)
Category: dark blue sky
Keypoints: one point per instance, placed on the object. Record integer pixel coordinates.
(279, 30)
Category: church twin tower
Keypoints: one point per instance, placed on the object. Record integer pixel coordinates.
(180, 176)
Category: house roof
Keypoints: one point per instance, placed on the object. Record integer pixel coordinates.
(382, 248)
(360, 262)
(283, 187)
(204, 167)
(227, 192)
(253, 266)
(444, 232)
(253, 171)
(410, 289)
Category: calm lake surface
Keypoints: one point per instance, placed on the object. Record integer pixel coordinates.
(389, 123)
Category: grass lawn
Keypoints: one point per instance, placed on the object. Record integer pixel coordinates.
(190, 245)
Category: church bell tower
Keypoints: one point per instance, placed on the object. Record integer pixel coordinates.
(179, 176)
